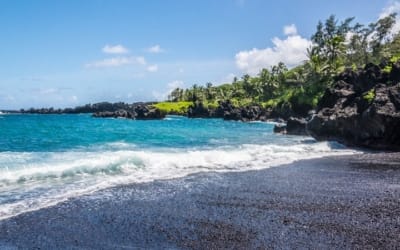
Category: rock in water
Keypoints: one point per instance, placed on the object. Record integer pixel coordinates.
(359, 112)
(296, 126)
(280, 128)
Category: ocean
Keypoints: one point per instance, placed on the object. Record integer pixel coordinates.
(46, 159)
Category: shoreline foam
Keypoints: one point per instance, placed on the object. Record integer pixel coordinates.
(48, 178)
(334, 202)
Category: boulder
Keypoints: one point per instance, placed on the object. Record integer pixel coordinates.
(296, 126)
(280, 128)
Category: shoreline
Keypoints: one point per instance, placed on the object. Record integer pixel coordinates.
(335, 202)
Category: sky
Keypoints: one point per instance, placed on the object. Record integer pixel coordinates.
(71, 52)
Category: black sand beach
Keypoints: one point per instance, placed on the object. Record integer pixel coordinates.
(336, 202)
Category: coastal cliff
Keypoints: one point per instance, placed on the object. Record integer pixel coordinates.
(361, 109)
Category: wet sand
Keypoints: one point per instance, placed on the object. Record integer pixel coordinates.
(334, 202)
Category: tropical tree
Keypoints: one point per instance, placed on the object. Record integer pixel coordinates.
(329, 42)
(381, 36)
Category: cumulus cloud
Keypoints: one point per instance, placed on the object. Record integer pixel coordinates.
(290, 30)
(155, 49)
(115, 49)
(152, 68)
(162, 96)
(291, 51)
(392, 7)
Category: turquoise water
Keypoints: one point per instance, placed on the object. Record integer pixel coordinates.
(45, 159)
(41, 133)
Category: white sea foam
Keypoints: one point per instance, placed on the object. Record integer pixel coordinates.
(30, 181)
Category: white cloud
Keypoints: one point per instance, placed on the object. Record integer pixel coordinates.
(290, 30)
(110, 62)
(117, 62)
(392, 7)
(152, 68)
(291, 51)
(141, 60)
(115, 49)
(162, 96)
(155, 49)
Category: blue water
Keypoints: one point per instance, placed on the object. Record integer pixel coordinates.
(45, 159)
(40, 133)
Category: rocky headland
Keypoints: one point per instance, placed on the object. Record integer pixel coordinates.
(361, 109)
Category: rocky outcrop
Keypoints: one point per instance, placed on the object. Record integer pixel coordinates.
(138, 112)
(144, 112)
(293, 126)
(361, 109)
(296, 126)
(228, 111)
(280, 128)
(199, 111)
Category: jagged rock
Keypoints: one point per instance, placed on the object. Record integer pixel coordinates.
(394, 75)
(104, 114)
(280, 128)
(234, 115)
(358, 114)
(227, 111)
(296, 126)
(138, 112)
(152, 114)
(198, 111)
(143, 112)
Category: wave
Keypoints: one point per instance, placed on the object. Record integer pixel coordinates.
(40, 179)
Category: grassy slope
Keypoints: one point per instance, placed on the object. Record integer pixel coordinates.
(178, 108)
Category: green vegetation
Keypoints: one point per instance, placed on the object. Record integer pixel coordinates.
(369, 96)
(178, 108)
(395, 58)
(337, 45)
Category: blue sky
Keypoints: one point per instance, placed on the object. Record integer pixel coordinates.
(68, 53)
